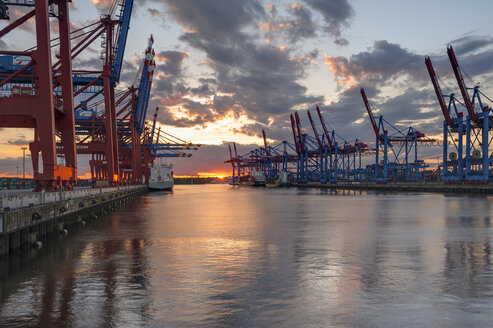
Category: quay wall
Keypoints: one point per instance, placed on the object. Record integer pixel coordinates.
(405, 187)
(45, 214)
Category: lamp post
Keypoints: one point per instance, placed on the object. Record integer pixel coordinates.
(24, 162)
(438, 168)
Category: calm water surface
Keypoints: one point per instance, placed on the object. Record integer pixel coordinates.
(216, 255)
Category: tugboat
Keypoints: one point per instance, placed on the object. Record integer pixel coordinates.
(161, 178)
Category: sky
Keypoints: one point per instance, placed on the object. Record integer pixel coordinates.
(226, 69)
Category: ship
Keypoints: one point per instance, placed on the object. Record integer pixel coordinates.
(161, 178)
(256, 179)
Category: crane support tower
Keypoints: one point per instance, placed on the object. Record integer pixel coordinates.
(472, 164)
(398, 149)
(453, 131)
(33, 104)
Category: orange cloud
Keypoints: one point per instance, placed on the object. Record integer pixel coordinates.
(268, 26)
(304, 60)
(164, 59)
(102, 2)
(342, 69)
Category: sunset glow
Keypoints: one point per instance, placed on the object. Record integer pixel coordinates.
(221, 81)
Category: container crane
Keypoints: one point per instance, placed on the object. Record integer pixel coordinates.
(317, 137)
(462, 85)
(302, 156)
(34, 104)
(453, 130)
(265, 143)
(438, 91)
(323, 151)
(401, 145)
(478, 126)
(326, 132)
(282, 162)
(309, 155)
(267, 160)
(342, 160)
(145, 85)
(370, 115)
(125, 15)
(295, 136)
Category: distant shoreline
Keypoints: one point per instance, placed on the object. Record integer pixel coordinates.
(194, 180)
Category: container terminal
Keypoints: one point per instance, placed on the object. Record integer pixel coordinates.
(393, 161)
(75, 110)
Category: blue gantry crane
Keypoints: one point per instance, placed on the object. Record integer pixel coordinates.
(327, 158)
(145, 85)
(453, 130)
(471, 164)
(398, 149)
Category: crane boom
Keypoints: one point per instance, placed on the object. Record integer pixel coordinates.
(326, 132)
(267, 153)
(315, 131)
(298, 126)
(438, 91)
(294, 134)
(154, 124)
(125, 14)
(145, 84)
(462, 85)
(370, 114)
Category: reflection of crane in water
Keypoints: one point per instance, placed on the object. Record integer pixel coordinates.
(468, 260)
(112, 271)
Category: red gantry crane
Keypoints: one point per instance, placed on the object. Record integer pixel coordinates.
(35, 105)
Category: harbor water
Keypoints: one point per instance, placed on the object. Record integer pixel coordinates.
(221, 256)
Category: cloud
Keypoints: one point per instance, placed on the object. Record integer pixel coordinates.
(299, 26)
(348, 116)
(19, 142)
(210, 157)
(103, 5)
(470, 44)
(171, 62)
(154, 12)
(10, 165)
(219, 19)
(261, 78)
(397, 83)
(380, 63)
(258, 80)
(337, 15)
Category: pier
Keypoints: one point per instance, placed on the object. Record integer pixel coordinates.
(405, 187)
(28, 218)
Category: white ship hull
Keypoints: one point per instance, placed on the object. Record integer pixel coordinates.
(161, 177)
(161, 185)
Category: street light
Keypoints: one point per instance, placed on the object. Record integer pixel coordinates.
(438, 168)
(23, 162)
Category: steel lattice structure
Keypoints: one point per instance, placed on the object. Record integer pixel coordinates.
(41, 91)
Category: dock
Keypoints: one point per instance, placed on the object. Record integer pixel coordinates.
(404, 187)
(28, 218)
